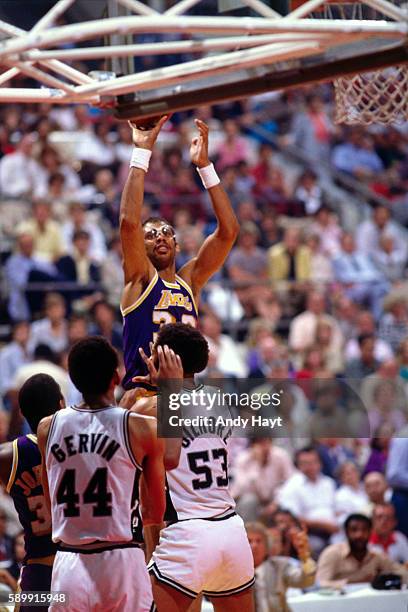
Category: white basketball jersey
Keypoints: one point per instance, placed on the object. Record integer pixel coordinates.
(198, 486)
(93, 477)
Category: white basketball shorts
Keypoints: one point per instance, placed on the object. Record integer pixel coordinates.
(197, 555)
(110, 581)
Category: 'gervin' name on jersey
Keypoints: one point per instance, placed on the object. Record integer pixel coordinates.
(75, 444)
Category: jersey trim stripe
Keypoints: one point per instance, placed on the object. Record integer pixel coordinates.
(153, 569)
(171, 285)
(13, 466)
(126, 417)
(129, 309)
(33, 438)
(78, 409)
(188, 288)
(238, 589)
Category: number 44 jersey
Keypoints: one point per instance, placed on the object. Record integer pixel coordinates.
(93, 477)
(198, 487)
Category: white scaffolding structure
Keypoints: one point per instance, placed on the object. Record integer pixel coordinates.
(224, 45)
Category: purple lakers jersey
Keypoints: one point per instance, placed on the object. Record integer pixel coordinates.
(161, 303)
(26, 491)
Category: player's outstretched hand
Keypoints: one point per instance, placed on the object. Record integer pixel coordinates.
(170, 366)
(199, 145)
(145, 139)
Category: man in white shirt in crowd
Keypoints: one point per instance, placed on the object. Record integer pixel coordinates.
(310, 496)
(257, 473)
(384, 538)
(229, 355)
(377, 491)
(19, 170)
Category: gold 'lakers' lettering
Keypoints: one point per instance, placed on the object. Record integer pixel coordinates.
(173, 299)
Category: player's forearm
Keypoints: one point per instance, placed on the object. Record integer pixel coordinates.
(151, 534)
(228, 226)
(132, 198)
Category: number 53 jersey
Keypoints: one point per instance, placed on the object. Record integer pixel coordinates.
(198, 486)
(93, 477)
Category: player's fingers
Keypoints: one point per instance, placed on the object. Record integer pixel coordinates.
(151, 345)
(143, 355)
(200, 124)
(160, 124)
(178, 360)
(141, 379)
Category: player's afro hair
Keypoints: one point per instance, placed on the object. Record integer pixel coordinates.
(92, 363)
(188, 343)
(40, 396)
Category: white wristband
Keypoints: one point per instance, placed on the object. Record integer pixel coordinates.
(140, 158)
(208, 176)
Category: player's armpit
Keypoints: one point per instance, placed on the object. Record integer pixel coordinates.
(172, 450)
(42, 437)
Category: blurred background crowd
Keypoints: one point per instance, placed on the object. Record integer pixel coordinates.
(315, 288)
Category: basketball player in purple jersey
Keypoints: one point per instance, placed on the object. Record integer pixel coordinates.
(20, 472)
(154, 293)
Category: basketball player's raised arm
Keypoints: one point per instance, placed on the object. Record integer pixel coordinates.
(42, 437)
(217, 246)
(136, 265)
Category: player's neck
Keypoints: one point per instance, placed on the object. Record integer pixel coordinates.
(99, 401)
(168, 274)
(189, 382)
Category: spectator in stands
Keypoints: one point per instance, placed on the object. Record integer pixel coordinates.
(50, 164)
(350, 497)
(260, 358)
(403, 359)
(312, 129)
(271, 233)
(327, 227)
(77, 328)
(80, 266)
(330, 344)
(79, 220)
(274, 575)
(19, 170)
(345, 312)
(385, 408)
(309, 192)
(379, 445)
(289, 260)
(106, 198)
(6, 543)
(365, 324)
(362, 281)
(321, 271)
(397, 477)
(393, 326)
(247, 264)
(366, 364)
(388, 259)
(384, 538)
(105, 324)
(45, 231)
(13, 355)
(257, 474)
(310, 496)
(18, 268)
(357, 156)
(112, 271)
(333, 453)
(234, 148)
(285, 524)
(376, 488)
(230, 360)
(371, 231)
(352, 561)
(51, 330)
(302, 331)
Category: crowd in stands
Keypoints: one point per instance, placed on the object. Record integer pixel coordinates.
(301, 298)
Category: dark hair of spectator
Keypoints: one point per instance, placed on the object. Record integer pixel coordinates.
(40, 396)
(305, 449)
(363, 337)
(43, 351)
(188, 343)
(362, 518)
(78, 234)
(92, 363)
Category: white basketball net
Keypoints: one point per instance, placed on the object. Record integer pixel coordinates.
(380, 96)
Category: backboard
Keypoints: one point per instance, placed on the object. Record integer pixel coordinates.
(193, 52)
